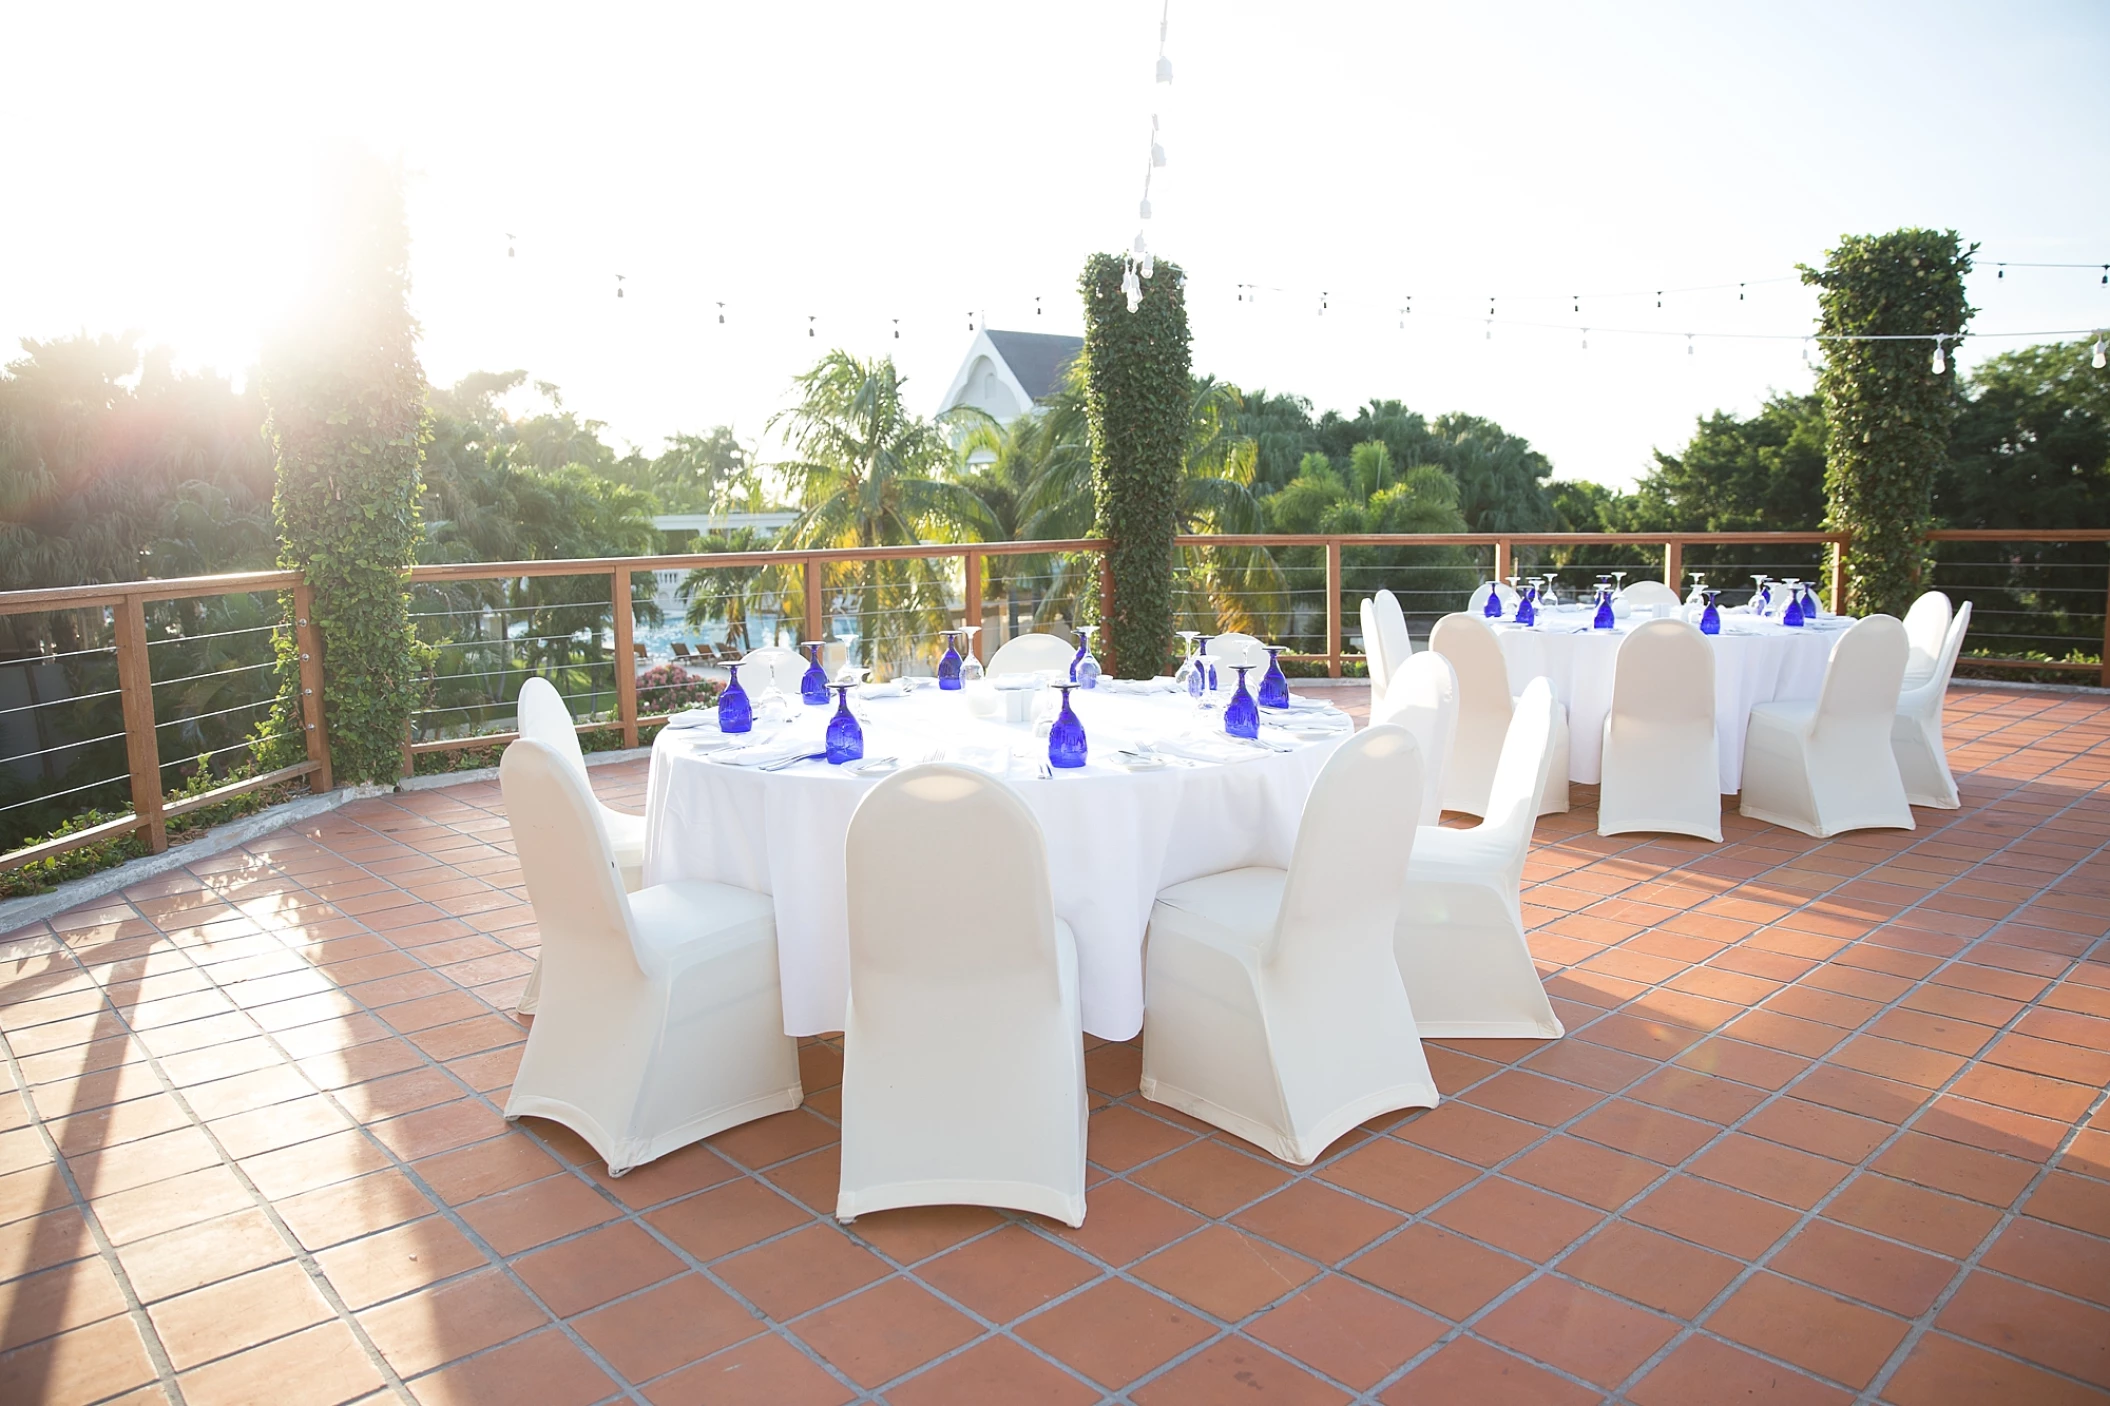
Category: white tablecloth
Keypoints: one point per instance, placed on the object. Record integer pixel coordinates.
(1755, 661)
(1115, 838)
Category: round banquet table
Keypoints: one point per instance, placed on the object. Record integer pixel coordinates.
(1115, 837)
(1755, 661)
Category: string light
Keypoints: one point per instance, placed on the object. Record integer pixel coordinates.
(1941, 363)
(1659, 297)
(809, 324)
(509, 246)
(2098, 361)
(1690, 349)
(721, 314)
(1740, 292)
(619, 285)
(1578, 302)
(897, 329)
(1322, 302)
(1586, 339)
(1036, 306)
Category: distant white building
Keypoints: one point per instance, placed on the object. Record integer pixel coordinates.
(1006, 374)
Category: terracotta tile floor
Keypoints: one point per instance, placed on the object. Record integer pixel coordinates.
(1829, 1123)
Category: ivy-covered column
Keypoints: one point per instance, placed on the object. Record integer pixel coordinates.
(1136, 393)
(347, 417)
(1888, 403)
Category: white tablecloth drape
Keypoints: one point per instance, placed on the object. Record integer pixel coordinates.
(1115, 838)
(1755, 661)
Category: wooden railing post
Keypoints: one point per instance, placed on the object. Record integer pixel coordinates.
(2104, 678)
(1505, 559)
(1674, 567)
(135, 688)
(971, 598)
(307, 641)
(1838, 605)
(812, 576)
(1333, 609)
(625, 653)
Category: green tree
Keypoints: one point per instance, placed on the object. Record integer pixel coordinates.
(348, 422)
(1889, 413)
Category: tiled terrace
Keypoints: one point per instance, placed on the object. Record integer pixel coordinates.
(1829, 1123)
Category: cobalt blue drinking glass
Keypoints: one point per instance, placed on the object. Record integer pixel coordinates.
(1274, 684)
(1525, 614)
(1711, 617)
(1605, 619)
(735, 713)
(1198, 681)
(813, 684)
(1242, 714)
(949, 666)
(846, 740)
(1493, 609)
(1066, 745)
(1792, 616)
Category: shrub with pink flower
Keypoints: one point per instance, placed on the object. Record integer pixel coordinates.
(669, 688)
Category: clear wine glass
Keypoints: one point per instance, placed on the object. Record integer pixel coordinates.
(1758, 592)
(1183, 675)
(971, 670)
(1085, 668)
(1618, 582)
(1699, 589)
(849, 639)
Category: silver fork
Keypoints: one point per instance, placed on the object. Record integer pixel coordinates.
(791, 761)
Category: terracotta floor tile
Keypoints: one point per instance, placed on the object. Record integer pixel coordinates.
(1714, 1216)
(353, 1208)
(526, 1216)
(2051, 1331)
(1123, 1223)
(433, 1327)
(773, 1139)
(668, 1326)
(1006, 1274)
(1114, 1332)
(726, 1218)
(442, 1129)
(2055, 1257)
(479, 1170)
(546, 1369)
(803, 1270)
(1533, 1097)
(1944, 1372)
(321, 1366)
(1404, 1177)
(1953, 1167)
(1516, 1218)
(1448, 1273)
(1237, 1365)
(1820, 1332)
(1578, 1330)
(995, 1372)
(2072, 1201)
(1814, 1128)
(1654, 1133)
(1225, 1273)
(1697, 1095)
(202, 1254)
(1119, 1137)
(1470, 1134)
(86, 1364)
(1701, 1369)
(877, 1335)
(914, 1233)
(1213, 1177)
(323, 1161)
(1766, 1169)
(575, 1275)
(1931, 1220)
(237, 1313)
(396, 1261)
(172, 1204)
(1584, 1171)
(56, 1301)
(1467, 1370)
(1313, 1219)
(764, 1371)
(1346, 1331)
(1655, 1270)
(1890, 1276)
(1746, 1063)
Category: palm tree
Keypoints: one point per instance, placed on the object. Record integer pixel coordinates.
(869, 472)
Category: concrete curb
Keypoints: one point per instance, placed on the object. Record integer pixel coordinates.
(490, 773)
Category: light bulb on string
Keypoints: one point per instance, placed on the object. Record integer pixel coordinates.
(2106, 275)
(1143, 208)
(2000, 270)
(619, 285)
(970, 321)
(1690, 350)
(1740, 292)
(1036, 305)
(1322, 303)
(1941, 363)
(1490, 329)
(1164, 69)
(1659, 297)
(809, 324)
(1805, 351)
(1586, 339)
(721, 314)
(2098, 361)
(509, 246)
(1148, 264)
(897, 329)
(1578, 302)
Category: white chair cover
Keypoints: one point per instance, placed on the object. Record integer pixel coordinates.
(1374, 652)
(1926, 631)
(1916, 732)
(1827, 767)
(662, 1022)
(1232, 649)
(1392, 629)
(1662, 771)
(1648, 593)
(1460, 937)
(963, 1054)
(1275, 1008)
(1423, 699)
(1033, 654)
(773, 666)
(1478, 602)
(1484, 708)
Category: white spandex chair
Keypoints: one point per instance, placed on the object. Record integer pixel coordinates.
(1460, 938)
(1274, 1007)
(1926, 632)
(1662, 764)
(1231, 649)
(1033, 654)
(1826, 767)
(1646, 593)
(1915, 733)
(1484, 708)
(773, 666)
(662, 1021)
(1479, 601)
(963, 1045)
(1392, 629)
(1423, 699)
(1374, 652)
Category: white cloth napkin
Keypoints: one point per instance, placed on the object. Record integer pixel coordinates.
(1298, 703)
(695, 717)
(1210, 749)
(1160, 684)
(895, 689)
(763, 753)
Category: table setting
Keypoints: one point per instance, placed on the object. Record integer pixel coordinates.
(1137, 784)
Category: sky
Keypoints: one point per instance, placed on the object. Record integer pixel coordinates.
(857, 171)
